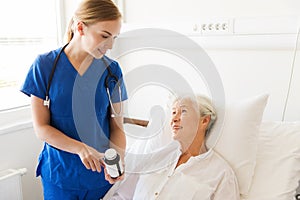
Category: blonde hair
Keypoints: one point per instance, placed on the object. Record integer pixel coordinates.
(93, 11)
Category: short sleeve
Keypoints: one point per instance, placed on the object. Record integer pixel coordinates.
(117, 94)
(35, 82)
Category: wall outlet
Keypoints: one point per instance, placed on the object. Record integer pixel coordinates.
(216, 27)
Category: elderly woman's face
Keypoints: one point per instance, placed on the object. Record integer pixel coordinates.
(184, 121)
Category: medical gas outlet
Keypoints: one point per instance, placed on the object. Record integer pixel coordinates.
(222, 27)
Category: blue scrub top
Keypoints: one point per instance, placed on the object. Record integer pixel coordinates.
(79, 107)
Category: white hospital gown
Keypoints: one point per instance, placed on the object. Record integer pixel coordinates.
(204, 177)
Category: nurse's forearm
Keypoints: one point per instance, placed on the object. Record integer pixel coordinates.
(118, 141)
(59, 140)
(90, 157)
(117, 135)
(46, 132)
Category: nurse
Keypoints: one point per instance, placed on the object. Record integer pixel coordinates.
(80, 119)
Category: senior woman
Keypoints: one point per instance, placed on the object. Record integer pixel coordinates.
(197, 173)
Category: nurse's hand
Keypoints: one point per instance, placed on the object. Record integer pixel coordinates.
(91, 158)
(113, 180)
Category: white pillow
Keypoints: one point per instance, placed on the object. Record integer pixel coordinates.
(238, 139)
(277, 169)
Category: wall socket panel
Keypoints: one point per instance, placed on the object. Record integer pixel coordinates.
(214, 27)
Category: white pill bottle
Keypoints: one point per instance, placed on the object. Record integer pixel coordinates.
(113, 163)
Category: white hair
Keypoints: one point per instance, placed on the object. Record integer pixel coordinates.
(203, 105)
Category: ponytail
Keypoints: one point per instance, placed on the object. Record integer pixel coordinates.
(70, 31)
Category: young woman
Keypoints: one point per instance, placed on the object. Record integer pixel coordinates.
(76, 96)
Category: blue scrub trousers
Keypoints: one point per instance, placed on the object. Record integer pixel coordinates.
(52, 192)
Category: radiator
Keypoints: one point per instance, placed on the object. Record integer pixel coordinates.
(10, 184)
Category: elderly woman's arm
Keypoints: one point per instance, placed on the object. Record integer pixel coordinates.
(123, 190)
(228, 188)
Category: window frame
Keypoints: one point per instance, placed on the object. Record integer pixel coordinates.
(19, 118)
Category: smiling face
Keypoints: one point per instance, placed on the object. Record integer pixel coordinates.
(184, 121)
(99, 37)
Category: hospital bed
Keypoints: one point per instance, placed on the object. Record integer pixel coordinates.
(260, 72)
(265, 155)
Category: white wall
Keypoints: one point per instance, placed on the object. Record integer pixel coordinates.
(256, 57)
(168, 10)
(244, 73)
